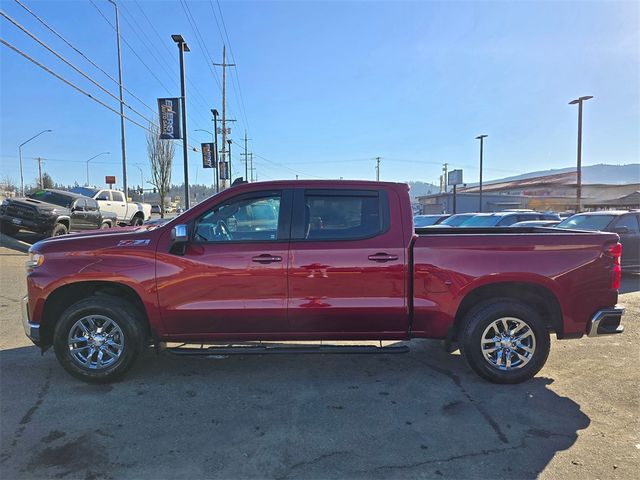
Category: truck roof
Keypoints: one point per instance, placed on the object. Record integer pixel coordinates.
(324, 183)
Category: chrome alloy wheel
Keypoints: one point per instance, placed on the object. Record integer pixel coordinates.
(95, 342)
(508, 343)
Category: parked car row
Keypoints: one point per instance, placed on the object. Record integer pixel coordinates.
(623, 222)
(54, 212)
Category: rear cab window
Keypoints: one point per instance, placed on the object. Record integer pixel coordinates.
(340, 214)
(117, 196)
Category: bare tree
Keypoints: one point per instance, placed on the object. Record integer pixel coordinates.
(160, 157)
(8, 184)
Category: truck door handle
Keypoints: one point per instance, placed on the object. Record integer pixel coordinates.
(266, 258)
(382, 257)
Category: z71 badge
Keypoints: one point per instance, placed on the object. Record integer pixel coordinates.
(133, 243)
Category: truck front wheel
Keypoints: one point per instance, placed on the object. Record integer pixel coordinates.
(99, 338)
(505, 341)
(59, 229)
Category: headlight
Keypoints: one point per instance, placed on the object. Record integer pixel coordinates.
(35, 260)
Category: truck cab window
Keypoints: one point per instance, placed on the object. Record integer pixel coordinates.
(246, 219)
(345, 217)
(117, 196)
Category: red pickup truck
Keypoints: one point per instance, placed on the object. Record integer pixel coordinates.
(318, 260)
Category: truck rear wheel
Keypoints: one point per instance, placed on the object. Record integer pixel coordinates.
(505, 341)
(137, 221)
(99, 338)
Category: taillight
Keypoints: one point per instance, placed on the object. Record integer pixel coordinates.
(615, 251)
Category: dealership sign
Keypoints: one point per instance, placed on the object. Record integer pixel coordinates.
(169, 109)
(208, 161)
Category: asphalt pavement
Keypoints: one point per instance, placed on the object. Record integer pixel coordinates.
(418, 415)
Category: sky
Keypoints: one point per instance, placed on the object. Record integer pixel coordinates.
(322, 88)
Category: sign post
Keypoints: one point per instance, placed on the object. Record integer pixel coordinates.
(454, 178)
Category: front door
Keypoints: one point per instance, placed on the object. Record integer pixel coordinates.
(629, 232)
(231, 279)
(347, 268)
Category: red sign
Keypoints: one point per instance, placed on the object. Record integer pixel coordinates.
(110, 179)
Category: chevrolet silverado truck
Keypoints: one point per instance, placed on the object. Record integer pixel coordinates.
(288, 261)
(53, 213)
(128, 213)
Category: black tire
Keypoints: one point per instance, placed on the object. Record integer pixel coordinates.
(479, 319)
(137, 220)
(9, 229)
(59, 229)
(134, 338)
(105, 225)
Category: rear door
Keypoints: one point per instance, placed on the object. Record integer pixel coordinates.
(629, 230)
(93, 214)
(119, 205)
(347, 266)
(78, 218)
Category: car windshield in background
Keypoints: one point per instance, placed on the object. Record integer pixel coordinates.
(53, 197)
(425, 220)
(482, 221)
(456, 220)
(587, 222)
(86, 191)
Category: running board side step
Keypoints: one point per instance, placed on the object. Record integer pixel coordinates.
(287, 350)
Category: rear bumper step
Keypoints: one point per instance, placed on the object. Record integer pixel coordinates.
(279, 349)
(606, 322)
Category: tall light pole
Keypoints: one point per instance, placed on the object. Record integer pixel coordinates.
(20, 157)
(214, 112)
(183, 47)
(141, 181)
(215, 165)
(123, 140)
(95, 156)
(481, 138)
(579, 101)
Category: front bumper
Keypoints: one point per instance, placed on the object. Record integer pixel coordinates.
(606, 322)
(32, 330)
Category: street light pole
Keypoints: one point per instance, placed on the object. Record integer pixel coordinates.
(579, 101)
(183, 47)
(141, 181)
(20, 157)
(481, 138)
(95, 156)
(123, 140)
(215, 147)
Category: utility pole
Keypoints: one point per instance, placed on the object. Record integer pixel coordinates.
(39, 160)
(481, 138)
(251, 169)
(121, 87)
(378, 169)
(214, 112)
(579, 165)
(183, 47)
(444, 178)
(246, 157)
(224, 66)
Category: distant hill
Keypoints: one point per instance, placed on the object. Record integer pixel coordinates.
(601, 173)
(419, 189)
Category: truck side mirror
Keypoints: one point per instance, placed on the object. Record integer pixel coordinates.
(179, 238)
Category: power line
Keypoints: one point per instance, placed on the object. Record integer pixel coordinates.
(69, 63)
(68, 43)
(130, 47)
(75, 87)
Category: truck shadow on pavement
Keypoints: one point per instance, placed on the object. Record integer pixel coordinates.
(421, 414)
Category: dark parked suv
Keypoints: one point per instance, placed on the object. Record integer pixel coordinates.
(52, 213)
(624, 223)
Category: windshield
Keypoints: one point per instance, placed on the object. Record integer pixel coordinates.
(587, 222)
(457, 220)
(482, 221)
(425, 220)
(53, 197)
(86, 191)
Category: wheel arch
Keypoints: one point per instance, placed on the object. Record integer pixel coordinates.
(537, 296)
(65, 296)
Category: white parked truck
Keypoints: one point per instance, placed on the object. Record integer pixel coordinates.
(128, 213)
